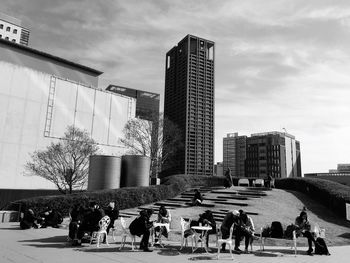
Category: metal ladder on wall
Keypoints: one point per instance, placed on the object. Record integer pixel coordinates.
(50, 104)
(129, 108)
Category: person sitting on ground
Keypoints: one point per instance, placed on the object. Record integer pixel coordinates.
(228, 179)
(29, 220)
(207, 219)
(164, 216)
(197, 198)
(113, 213)
(76, 215)
(247, 228)
(141, 226)
(303, 227)
(231, 218)
(51, 217)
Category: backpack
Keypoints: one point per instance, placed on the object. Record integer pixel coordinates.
(276, 229)
(321, 247)
(288, 233)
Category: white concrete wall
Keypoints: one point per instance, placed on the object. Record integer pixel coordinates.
(23, 111)
(291, 158)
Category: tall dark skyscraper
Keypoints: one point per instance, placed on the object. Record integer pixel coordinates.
(189, 103)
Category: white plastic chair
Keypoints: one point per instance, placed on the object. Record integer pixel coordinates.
(227, 241)
(126, 233)
(185, 225)
(97, 235)
(259, 182)
(243, 181)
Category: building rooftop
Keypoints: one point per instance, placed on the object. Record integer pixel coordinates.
(49, 56)
(284, 134)
(123, 90)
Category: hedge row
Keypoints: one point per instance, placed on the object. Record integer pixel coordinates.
(331, 194)
(125, 197)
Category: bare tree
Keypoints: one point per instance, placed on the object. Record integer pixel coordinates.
(148, 138)
(65, 163)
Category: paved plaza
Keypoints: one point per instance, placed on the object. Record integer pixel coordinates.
(50, 245)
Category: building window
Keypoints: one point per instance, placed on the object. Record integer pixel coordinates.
(7, 38)
(15, 31)
(0, 36)
(1, 26)
(8, 29)
(13, 40)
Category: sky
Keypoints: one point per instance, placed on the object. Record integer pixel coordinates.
(278, 64)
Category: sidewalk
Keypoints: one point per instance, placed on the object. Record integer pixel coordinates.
(50, 245)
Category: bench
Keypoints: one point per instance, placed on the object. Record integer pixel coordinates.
(263, 239)
(319, 232)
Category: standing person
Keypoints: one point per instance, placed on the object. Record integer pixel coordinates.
(141, 226)
(76, 215)
(164, 216)
(303, 227)
(247, 228)
(113, 213)
(197, 198)
(268, 180)
(231, 218)
(228, 179)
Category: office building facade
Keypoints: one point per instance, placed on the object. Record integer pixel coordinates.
(234, 154)
(11, 29)
(189, 103)
(272, 153)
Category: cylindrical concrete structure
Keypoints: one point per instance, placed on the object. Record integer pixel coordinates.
(104, 172)
(135, 170)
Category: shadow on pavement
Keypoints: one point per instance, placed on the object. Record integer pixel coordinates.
(169, 252)
(203, 258)
(54, 239)
(278, 252)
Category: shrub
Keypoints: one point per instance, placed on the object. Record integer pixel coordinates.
(125, 197)
(331, 194)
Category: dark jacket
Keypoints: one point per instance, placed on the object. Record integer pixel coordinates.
(141, 224)
(229, 220)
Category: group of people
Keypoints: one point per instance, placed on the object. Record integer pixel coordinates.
(243, 226)
(86, 220)
(47, 217)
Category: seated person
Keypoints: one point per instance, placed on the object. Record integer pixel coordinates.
(246, 229)
(51, 217)
(113, 213)
(197, 198)
(91, 217)
(207, 219)
(231, 218)
(141, 226)
(303, 227)
(164, 216)
(29, 220)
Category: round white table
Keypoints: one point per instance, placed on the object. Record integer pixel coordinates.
(204, 230)
(166, 225)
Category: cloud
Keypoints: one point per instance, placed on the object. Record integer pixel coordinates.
(278, 63)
